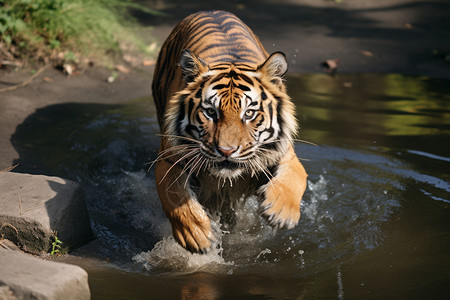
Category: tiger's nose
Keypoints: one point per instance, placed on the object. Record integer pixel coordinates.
(226, 151)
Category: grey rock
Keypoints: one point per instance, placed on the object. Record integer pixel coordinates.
(23, 276)
(34, 207)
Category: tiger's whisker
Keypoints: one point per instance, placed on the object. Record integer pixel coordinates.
(180, 137)
(177, 148)
(182, 158)
(176, 152)
(185, 168)
(295, 140)
(162, 155)
(264, 170)
(305, 142)
(183, 171)
(204, 159)
(192, 169)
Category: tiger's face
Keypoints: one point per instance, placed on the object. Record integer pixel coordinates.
(232, 118)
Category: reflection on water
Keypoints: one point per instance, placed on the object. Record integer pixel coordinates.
(375, 218)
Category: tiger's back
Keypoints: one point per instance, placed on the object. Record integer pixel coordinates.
(216, 37)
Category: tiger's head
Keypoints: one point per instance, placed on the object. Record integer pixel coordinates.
(231, 118)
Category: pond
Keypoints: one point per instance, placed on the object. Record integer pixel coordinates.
(375, 217)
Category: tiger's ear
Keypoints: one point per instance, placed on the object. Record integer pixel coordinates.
(275, 67)
(191, 65)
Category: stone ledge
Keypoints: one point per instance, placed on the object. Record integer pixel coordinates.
(33, 207)
(23, 276)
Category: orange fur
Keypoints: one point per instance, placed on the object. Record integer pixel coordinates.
(224, 116)
(191, 226)
(282, 202)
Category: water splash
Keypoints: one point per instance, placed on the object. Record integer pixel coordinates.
(339, 223)
(168, 256)
(319, 194)
(242, 242)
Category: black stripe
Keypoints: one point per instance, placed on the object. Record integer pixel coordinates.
(196, 22)
(279, 117)
(209, 100)
(240, 65)
(270, 113)
(190, 129)
(223, 94)
(198, 95)
(233, 47)
(219, 77)
(269, 146)
(221, 86)
(219, 68)
(205, 32)
(181, 114)
(263, 95)
(243, 87)
(246, 78)
(199, 120)
(261, 121)
(271, 132)
(190, 108)
(274, 169)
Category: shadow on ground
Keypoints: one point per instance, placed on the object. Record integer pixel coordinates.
(104, 148)
(401, 36)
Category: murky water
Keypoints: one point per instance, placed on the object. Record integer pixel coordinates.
(375, 217)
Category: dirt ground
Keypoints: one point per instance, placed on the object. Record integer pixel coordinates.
(399, 36)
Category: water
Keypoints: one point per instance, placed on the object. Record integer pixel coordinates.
(375, 217)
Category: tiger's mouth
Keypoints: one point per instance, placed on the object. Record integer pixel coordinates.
(229, 165)
(227, 168)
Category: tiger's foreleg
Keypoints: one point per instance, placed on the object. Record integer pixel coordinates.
(282, 195)
(191, 226)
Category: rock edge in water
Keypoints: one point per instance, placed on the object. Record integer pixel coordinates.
(23, 276)
(33, 208)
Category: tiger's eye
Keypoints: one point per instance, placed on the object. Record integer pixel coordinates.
(210, 112)
(249, 114)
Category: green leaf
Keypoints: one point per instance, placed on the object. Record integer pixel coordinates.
(54, 44)
(7, 39)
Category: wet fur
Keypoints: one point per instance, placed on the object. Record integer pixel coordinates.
(227, 127)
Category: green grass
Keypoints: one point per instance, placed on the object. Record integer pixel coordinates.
(92, 28)
(56, 248)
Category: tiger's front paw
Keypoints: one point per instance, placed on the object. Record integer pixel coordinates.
(283, 194)
(281, 210)
(191, 227)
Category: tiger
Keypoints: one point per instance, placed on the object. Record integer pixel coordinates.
(227, 128)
